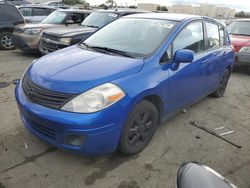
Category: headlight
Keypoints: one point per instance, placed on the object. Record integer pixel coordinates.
(32, 31)
(245, 49)
(65, 41)
(95, 99)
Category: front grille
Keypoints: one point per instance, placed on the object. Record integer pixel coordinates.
(51, 37)
(46, 131)
(49, 46)
(44, 97)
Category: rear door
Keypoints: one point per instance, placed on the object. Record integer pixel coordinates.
(217, 51)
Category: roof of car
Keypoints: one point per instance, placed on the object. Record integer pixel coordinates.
(168, 16)
(36, 6)
(75, 10)
(121, 11)
(242, 19)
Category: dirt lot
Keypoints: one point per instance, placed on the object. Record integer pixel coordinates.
(25, 161)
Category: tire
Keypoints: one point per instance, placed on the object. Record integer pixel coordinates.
(5, 41)
(222, 85)
(139, 128)
(248, 70)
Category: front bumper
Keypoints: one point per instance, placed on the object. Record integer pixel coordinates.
(101, 130)
(25, 42)
(242, 59)
(48, 46)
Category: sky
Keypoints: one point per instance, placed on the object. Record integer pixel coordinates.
(237, 4)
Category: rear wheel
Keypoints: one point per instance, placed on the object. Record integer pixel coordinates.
(222, 85)
(6, 41)
(248, 70)
(139, 128)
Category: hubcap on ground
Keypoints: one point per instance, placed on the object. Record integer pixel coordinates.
(140, 129)
(7, 42)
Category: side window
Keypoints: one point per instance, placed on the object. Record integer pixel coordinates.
(222, 35)
(213, 38)
(191, 38)
(40, 12)
(25, 11)
(76, 18)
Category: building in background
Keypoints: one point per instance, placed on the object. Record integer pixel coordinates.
(147, 6)
(202, 10)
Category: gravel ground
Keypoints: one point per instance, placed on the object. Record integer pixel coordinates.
(25, 161)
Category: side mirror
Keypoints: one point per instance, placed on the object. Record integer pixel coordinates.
(195, 175)
(182, 56)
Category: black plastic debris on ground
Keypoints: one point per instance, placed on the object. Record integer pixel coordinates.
(4, 84)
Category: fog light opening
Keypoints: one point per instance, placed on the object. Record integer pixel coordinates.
(74, 140)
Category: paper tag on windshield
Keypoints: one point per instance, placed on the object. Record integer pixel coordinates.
(162, 24)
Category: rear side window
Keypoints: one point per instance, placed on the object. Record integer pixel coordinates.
(191, 38)
(26, 11)
(40, 12)
(213, 38)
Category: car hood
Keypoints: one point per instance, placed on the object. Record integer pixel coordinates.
(36, 25)
(239, 41)
(70, 31)
(74, 70)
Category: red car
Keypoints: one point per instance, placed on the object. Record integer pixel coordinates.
(239, 32)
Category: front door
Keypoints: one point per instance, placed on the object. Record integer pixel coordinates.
(186, 84)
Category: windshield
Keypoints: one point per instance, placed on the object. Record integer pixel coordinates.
(56, 17)
(239, 28)
(99, 19)
(142, 36)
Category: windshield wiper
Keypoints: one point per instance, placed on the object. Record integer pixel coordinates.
(94, 26)
(125, 54)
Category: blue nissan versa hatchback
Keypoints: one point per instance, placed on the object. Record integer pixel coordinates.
(112, 90)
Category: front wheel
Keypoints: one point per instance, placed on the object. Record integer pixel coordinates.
(6, 41)
(139, 128)
(222, 85)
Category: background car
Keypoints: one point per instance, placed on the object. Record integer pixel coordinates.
(27, 37)
(239, 32)
(9, 17)
(15, 2)
(58, 38)
(57, 4)
(35, 13)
